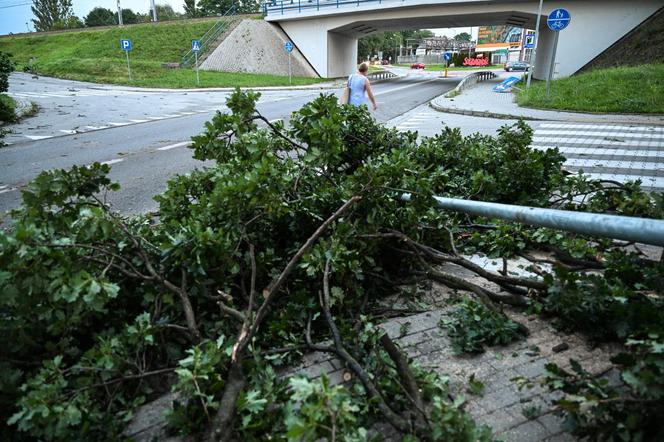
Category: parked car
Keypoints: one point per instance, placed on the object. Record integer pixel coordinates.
(417, 66)
(517, 66)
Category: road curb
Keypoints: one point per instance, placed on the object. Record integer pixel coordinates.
(475, 113)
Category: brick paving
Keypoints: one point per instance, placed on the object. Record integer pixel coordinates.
(502, 404)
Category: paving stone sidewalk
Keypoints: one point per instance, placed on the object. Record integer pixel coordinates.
(480, 100)
(514, 415)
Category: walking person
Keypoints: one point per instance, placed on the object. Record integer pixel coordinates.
(359, 84)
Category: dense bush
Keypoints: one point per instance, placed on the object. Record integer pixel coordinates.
(288, 239)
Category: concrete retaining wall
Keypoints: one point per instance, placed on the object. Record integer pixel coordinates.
(256, 46)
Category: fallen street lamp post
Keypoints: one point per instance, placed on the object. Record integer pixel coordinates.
(628, 228)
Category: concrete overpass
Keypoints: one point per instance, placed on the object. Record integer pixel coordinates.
(326, 31)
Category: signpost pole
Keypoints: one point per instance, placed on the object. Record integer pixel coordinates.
(128, 67)
(551, 67)
(290, 77)
(198, 79)
(534, 53)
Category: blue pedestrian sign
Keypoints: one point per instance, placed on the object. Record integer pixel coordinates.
(558, 19)
(447, 56)
(195, 46)
(125, 45)
(288, 46)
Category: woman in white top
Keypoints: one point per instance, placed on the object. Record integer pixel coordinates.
(358, 85)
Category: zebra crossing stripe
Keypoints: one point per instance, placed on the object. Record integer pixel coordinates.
(604, 127)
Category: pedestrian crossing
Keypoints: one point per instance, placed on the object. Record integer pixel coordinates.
(617, 152)
(614, 152)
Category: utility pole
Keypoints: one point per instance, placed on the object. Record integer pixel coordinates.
(119, 14)
(154, 11)
(534, 53)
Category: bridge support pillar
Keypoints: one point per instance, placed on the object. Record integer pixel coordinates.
(341, 55)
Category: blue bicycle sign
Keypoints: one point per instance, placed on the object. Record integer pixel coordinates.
(558, 19)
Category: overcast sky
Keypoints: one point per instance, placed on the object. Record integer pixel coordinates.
(14, 18)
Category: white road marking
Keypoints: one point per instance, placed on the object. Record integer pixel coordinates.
(187, 113)
(603, 127)
(601, 133)
(599, 142)
(139, 121)
(97, 127)
(39, 137)
(636, 154)
(275, 120)
(10, 189)
(118, 124)
(173, 146)
(68, 131)
(157, 118)
(109, 162)
(647, 181)
(404, 87)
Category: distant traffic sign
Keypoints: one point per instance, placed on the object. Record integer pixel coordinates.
(125, 45)
(447, 56)
(195, 46)
(288, 46)
(530, 41)
(558, 19)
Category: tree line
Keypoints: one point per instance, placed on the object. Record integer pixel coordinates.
(53, 15)
(389, 42)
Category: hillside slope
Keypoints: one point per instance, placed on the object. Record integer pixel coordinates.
(95, 55)
(643, 45)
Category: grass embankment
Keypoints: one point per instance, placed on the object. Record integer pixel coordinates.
(7, 109)
(95, 55)
(638, 89)
(441, 67)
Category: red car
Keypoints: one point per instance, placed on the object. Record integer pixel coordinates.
(417, 66)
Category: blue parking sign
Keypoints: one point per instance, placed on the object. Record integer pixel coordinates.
(558, 19)
(125, 45)
(195, 45)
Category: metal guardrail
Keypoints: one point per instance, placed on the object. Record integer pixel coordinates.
(471, 80)
(283, 6)
(628, 228)
(210, 36)
(380, 75)
(474, 78)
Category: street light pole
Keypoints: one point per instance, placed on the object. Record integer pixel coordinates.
(534, 53)
(154, 11)
(119, 14)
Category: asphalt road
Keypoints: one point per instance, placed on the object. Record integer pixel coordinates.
(143, 133)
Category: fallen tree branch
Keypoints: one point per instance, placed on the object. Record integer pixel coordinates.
(221, 428)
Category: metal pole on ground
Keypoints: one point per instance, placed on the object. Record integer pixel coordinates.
(628, 228)
(552, 66)
(290, 77)
(534, 53)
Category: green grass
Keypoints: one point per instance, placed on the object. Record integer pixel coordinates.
(95, 55)
(638, 89)
(7, 109)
